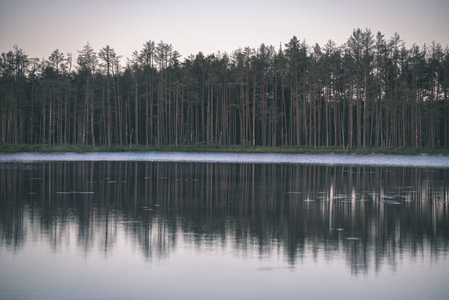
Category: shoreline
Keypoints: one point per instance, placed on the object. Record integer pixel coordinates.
(17, 148)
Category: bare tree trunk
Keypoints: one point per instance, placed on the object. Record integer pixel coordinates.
(350, 121)
(254, 109)
(92, 114)
(136, 109)
(365, 112)
(359, 114)
(147, 125)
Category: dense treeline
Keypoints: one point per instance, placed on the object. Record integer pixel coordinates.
(370, 91)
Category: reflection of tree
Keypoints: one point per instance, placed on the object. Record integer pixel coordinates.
(369, 215)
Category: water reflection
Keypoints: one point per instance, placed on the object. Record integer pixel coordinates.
(370, 216)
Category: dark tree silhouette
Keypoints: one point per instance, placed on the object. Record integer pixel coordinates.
(371, 91)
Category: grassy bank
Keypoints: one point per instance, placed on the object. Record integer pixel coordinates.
(14, 148)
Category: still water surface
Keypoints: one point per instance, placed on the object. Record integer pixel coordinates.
(100, 229)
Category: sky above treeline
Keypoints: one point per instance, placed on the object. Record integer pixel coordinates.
(41, 26)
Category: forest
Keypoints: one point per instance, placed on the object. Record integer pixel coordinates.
(371, 91)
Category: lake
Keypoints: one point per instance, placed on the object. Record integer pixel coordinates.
(223, 226)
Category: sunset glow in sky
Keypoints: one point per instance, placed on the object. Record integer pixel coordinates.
(41, 26)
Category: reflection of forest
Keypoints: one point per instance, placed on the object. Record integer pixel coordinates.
(372, 216)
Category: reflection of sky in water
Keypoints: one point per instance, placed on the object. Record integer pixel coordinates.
(139, 230)
(212, 275)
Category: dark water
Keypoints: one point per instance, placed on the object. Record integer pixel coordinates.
(167, 230)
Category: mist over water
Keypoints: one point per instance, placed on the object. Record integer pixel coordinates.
(160, 229)
(432, 161)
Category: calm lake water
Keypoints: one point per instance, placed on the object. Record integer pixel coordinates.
(254, 226)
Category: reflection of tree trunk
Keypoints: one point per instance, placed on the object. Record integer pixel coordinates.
(135, 179)
(259, 205)
(253, 191)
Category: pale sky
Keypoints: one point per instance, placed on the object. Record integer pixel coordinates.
(41, 26)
